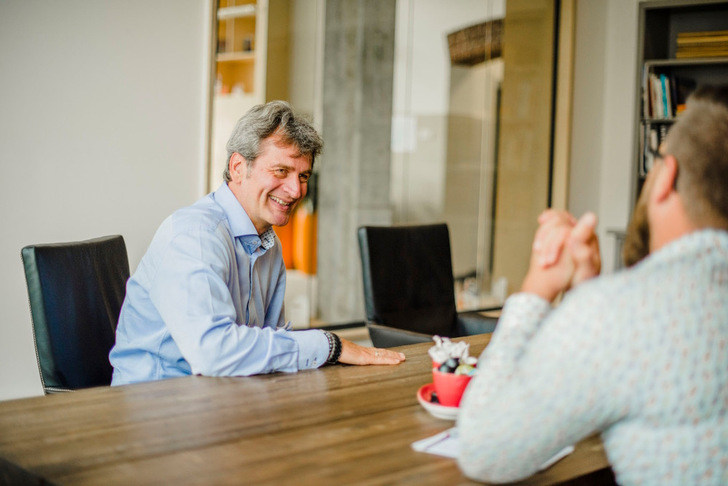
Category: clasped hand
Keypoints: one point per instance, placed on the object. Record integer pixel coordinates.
(565, 253)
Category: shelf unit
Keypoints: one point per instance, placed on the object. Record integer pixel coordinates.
(661, 65)
(251, 43)
(236, 47)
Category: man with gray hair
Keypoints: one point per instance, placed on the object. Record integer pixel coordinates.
(207, 297)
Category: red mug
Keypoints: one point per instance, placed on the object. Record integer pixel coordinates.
(449, 387)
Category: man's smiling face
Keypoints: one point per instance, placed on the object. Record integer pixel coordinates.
(270, 190)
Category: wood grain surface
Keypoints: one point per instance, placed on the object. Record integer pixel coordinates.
(336, 425)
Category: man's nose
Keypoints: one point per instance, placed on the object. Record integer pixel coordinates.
(294, 187)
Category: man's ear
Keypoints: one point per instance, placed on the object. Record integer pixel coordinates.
(237, 166)
(665, 179)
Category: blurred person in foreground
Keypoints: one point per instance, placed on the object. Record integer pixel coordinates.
(207, 297)
(639, 356)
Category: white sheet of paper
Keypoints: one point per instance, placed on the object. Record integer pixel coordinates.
(443, 444)
(446, 444)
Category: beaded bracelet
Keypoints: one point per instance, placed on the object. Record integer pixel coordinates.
(334, 347)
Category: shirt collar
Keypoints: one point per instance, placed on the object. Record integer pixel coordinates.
(240, 223)
(268, 238)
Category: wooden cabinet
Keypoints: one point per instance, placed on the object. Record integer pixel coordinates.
(236, 43)
(250, 67)
(682, 44)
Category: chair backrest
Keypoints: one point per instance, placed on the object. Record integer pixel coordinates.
(75, 291)
(407, 276)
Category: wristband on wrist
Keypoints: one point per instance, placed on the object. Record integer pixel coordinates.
(334, 347)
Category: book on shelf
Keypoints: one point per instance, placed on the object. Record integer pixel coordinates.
(651, 138)
(659, 101)
(702, 52)
(655, 87)
(666, 98)
(704, 37)
(649, 141)
(702, 44)
(664, 95)
(646, 94)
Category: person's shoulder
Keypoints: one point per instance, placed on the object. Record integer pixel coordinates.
(610, 291)
(204, 215)
(203, 222)
(606, 283)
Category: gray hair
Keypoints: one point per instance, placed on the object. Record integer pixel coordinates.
(699, 142)
(272, 118)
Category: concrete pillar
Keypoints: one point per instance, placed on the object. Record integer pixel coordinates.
(354, 170)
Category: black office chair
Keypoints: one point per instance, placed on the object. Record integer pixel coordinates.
(409, 292)
(75, 291)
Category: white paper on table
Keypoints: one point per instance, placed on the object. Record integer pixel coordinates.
(443, 444)
(446, 444)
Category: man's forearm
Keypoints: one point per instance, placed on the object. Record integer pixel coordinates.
(522, 315)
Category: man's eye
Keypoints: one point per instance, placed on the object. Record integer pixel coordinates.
(280, 172)
(303, 178)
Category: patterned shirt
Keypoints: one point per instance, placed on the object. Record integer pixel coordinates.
(640, 356)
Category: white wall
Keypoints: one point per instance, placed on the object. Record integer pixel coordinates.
(603, 125)
(101, 132)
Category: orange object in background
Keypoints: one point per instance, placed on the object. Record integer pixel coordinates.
(285, 234)
(304, 239)
(298, 237)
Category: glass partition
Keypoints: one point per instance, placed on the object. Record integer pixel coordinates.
(448, 72)
(446, 123)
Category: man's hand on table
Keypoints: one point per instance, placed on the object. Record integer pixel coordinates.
(352, 353)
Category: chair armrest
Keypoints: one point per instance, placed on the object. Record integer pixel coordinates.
(389, 337)
(470, 323)
(492, 309)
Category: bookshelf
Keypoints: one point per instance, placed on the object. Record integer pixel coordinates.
(250, 66)
(681, 45)
(236, 43)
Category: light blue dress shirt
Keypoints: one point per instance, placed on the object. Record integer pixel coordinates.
(207, 299)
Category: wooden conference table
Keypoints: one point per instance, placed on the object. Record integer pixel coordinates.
(336, 425)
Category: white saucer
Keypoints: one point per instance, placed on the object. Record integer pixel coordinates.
(424, 396)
